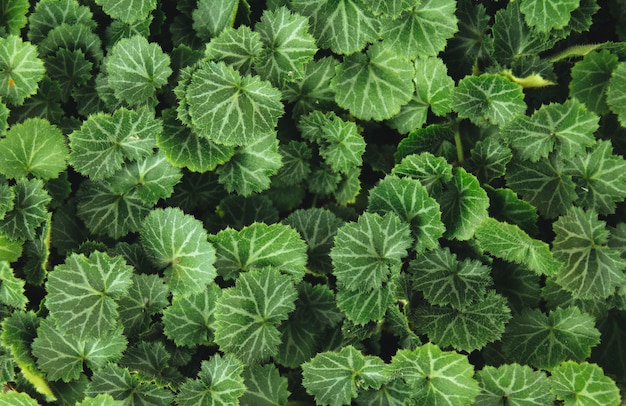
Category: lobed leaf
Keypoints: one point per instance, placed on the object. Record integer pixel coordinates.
(29, 210)
(583, 383)
(147, 296)
(49, 14)
(489, 158)
(211, 18)
(236, 47)
(432, 171)
(520, 385)
(11, 288)
(14, 398)
(264, 386)
(590, 80)
(363, 306)
(548, 15)
(20, 70)
(127, 11)
(615, 94)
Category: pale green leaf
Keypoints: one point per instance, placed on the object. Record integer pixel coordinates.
(248, 314)
(344, 26)
(238, 48)
(104, 141)
(410, 201)
(488, 99)
(128, 11)
(432, 171)
(13, 16)
(463, 205)
(544, 341)
(583, 384)
(11, 288)
(334, 378)
(13, 398)
(29, 210)
(436, 377)
(136, 68)
(390, 8)
(20, 70)
(375, 84)
(394, 393)
(288, 46)
(10, 249)
(83, 293)
(190, 320)
(592, 270)
(517, 385)
(257, 246)
(313, 91)
(230, 109)
(178, 242)
(251, 166)
(210, 18)
(264, 386)
(511, 243)
(445, 280)
(363, 306)
(546, 15)
(566, 127)
(616, 96)
(219, 382)
(368, 252)
(100, 400)
(421, 30)
(433, 85)
(590, 80)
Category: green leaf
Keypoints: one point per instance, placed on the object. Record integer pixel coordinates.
(219, 382)
(83, 293)
(543, 184)
(616, 96)
(363, 306)
(583, 384)
(488, 158)
(432, 171)
(250, 168)
(178, 242)
(150, 360)
(367, 253)
(100, 400)
(546, 15)
(211, 18)
(49, 14)
(147, 296)
(127, 11)
(296, 157)
(436, 377)
(566, 127)
(190, 320)
(511, 243)
(590, 80)
(467, 328)
(463, 205)
(600, 176)
(505, 206)
(312, 91)
(390, 8)
(374, 85)
(445, 280)
(247, 315)
(410, 201)
(394, 393)
(20, 70)
(342, 147)
(592, 270)
(104, 141)
(514, 384)
(11, 288)
(488, 99)
(436, 139)
(288, 46)
(329, 23)
(73, 37)
(421, 30)
(13, 398)
(544, 341)
(70, 69)
(264, 386)
(10, 249)
(238, 48)
(334, 378)
(136, 69)
(62, 356)
(29, 210)
(13, 16)
(258, 246)
(230, 109)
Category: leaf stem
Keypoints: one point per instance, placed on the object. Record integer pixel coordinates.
(460, 156)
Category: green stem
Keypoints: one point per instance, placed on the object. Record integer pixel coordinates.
(459, 147)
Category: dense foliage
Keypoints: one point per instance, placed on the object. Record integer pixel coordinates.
(333, 202)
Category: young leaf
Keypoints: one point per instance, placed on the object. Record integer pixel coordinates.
(288, 46)
(368, 252)
(422, 30)
(583, 384)
(410, 201)
(329, 23)
(374, 85)
(11, 288)
(136, 69)
(230, 109)
(219, 382)
(546, 15)
(566, 127)
(489, 158)
(514, 384)
(615, 95)
(190, 320)
(178, 242)
(509, 242)
(342, 147)
(436, 377)
(313, 91)
(147, 296)
(236, 47)
(247, 314)
(70, 69)
(590, 80)
(592, 270)
(432, 171)
(264, 386)
(296, 157)
(436, 139)
(29, 210)
(488, 99)
(83, 293)
(544, 341)
(150, 360)
(104, 141)
(258, 246)
(210, 18)
(445, 280)
(20, 70)
(334, 378)
(127, 11)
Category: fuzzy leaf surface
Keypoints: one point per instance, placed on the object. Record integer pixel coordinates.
(583, 384)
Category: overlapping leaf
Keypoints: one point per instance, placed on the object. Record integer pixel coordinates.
(518, 384)
(127, 11)
(583, 383)
(264, 386)
(436, 139)
(236, 47)
(363, 306)
(489, 158)
(20, 70)
(210, 18)
(28, 212)
(590, 80)
(548, 15)
(14, 398)
(432, 171)
(11, 288)
(507, 207)
(178, 242)
(147, 296)
(313, 91)
(616, 96)
(49, 14)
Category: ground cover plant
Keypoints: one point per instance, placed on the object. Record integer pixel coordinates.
(332, 202)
